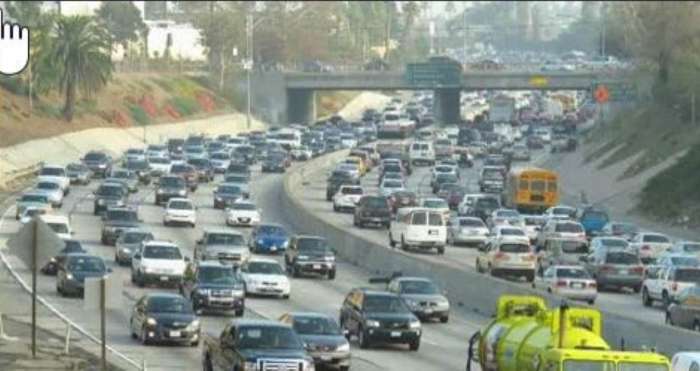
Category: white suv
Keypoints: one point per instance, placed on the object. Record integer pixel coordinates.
(507, 257)
(419, 227)
(56, 174)
(347, 197)
(421, 152)
(180, 210)
(158, 262)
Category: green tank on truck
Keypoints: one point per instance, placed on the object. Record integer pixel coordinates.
(527, 336)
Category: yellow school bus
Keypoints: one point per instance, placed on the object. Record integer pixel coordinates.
(531, 189)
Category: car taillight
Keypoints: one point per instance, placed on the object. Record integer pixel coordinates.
(639, 269)
(645, 247)
(501, 256)
(674, 286)
(561, 283)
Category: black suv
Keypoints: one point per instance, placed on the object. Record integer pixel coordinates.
(212, 285)
(483, 207)
(109, 195)
(238, 168)
(205, 172)
(379, 317)
(372, 210)
(309, 254)
(98, 162)
(170, 186)
(337, 179)
(226, 194)
(141, 169)
(115, 221)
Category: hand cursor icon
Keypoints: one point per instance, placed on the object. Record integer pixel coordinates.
(14, 47)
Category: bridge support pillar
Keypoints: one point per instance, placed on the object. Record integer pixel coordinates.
(446, 106)
(301, 106)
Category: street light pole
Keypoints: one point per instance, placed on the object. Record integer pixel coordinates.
(248, 65)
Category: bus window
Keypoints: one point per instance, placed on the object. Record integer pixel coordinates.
(551, 186)
(537, 186)
(524, 185)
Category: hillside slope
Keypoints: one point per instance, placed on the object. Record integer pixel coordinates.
(128, 100)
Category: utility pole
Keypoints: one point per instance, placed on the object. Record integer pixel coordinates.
(248, 65)
(387, 31)
(464, 35)
(603, 16)
(692, 108)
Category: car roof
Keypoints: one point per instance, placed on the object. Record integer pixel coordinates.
(54, 218)
(159, 243)
(212, 263)
(222, 231)
(258, 259)
(569, 266)
(511, 240)
(244, 322)
(300, 236)
(180, 199)
(412, 278)
(309, 315)
(162, 294)
(375, 292)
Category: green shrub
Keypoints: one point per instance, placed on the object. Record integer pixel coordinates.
(48, 110)
(185, 106)
(139, 115)
(15, 85)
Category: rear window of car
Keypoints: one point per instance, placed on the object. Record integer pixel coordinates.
(512, 232)
(517, 248)
(621, 258)
(471, 223)
(571, 273)
(435, 219)
(351, 191)
(574, 247)
(688, 275)
(656, 238)
(419, 218)
(568, 227)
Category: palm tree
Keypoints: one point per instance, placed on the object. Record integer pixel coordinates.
(80, 53)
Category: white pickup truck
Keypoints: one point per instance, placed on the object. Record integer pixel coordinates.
(664, 284)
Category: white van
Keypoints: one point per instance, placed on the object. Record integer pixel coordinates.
(421, 152)
(686, 361)
(59, 224)
(419, 227)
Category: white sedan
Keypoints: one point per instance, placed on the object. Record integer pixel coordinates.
(569, 281)
(243, 213)
(390, 186)
(180, 211)
(263, 276)
(347, 197)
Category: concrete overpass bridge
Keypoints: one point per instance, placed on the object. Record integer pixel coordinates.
(292, 93)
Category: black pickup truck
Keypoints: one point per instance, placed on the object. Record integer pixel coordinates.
(256, 345)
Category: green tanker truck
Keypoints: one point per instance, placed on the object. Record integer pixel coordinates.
(527, 336)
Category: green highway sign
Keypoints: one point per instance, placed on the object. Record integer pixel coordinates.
(434, 74)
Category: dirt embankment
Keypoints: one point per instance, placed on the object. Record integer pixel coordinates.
(128, 100)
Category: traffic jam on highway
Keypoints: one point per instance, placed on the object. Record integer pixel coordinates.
(473, 194)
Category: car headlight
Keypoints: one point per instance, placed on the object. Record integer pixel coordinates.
(309, 366)
(204, 292)
(343, 347)
(237, 292)
(330, 258)
(303, 257)
(151, 322)
(69, 276)
(126, 250)
(411, 303)
(181, 192)
(193, 326)
(414, 324)
(371, 323)
(149, 270)
(250, 366)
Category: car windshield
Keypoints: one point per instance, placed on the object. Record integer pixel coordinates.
(198, 162)
(475, 223)
(265, 268)
(122, 215)
(351, 191)
(169, 305)
(162, 252)
(159, 160)
(135, 237)
(514, 248)
(75, 167)
(34, 198)
(507, 214)
(435, 204)
(574, 247)
(94, 156)
(32, 212)
(318, 245)
(47, 185)
(219, 156)
(619, 257)
(568, 228)
(72, 247)
(86, 264)
(375, 202)
(571, 273)
(243, 206)
(225, 239)
(194, 150)
(121, 174)
(444, 169)
(217, 276)
(564, 211)
(687, 261)
(180, 205)
(268, 337)
(52, 171)
(172, 182)
(236, 179)
(315, 326)
(272, 230)
(492, 175)
(446, 178)
(418, 287)
(137, 165)
(392, 184)
(110, 191)
(691, 247)
(384, 304)
(655, 238)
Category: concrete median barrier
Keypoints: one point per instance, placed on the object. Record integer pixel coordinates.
(467, 289)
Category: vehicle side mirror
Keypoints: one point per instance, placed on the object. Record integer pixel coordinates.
(137, 256)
